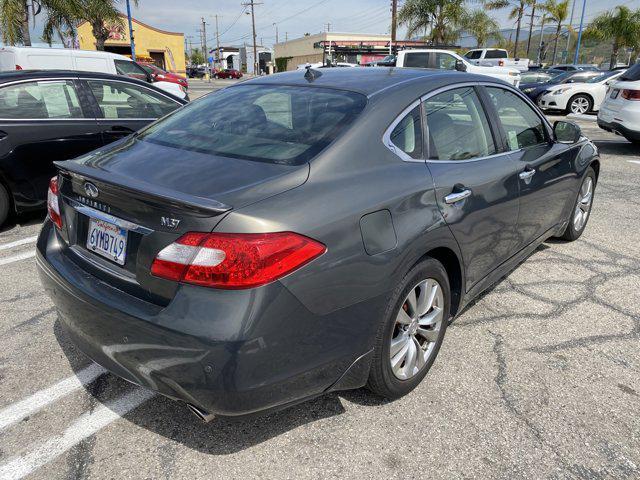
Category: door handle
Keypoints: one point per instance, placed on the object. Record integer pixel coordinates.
(527, 174)
(457, 196)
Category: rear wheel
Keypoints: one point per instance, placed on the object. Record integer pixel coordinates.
(579, 104)
(4, 204)
(581, 208)
(413, 329)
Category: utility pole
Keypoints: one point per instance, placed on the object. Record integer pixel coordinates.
(133, 45)
(328, 26)
(256, 62)
(217, 41)
(394, 14)
(204, 42)
(575, 57)
(533, 11)
(276, 25)
(286, 36)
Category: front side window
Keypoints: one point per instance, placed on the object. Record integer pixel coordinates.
(407, 134)
(55, 99)
(444, 61)
(124, 100)
(522, 126)
(457, 125)
(130, 69)
(416, 60)
(275, 124)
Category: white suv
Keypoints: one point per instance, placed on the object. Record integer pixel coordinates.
(620, 111)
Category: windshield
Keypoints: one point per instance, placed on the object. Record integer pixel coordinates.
(632, 74)
(602, 78)
(276, 124)
(560, 77)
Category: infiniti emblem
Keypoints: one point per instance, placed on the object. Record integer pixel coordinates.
(91, 190)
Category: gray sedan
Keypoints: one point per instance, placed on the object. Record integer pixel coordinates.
(305, 232)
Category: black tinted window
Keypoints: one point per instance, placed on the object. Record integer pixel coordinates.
(632, 74)
(495, 54)
(522, 125)
(474, 54)
(416, 60)
(407, 134)
(276, 124)
(457, 126)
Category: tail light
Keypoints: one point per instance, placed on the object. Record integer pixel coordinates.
(18, 67)
(234, 260)
(500, 63)
(631, 94)
(52, 202)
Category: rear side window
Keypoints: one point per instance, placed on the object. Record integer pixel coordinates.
(474, 54)
(416, 60)
(523, 127)
(407, 134)
(123, 100)
(631, 75)
(276, 124)
(130, 69)
(457, 125)
(495, 54)
(40, 100)
(444, 61)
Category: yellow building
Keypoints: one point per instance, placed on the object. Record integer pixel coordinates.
(165, 49)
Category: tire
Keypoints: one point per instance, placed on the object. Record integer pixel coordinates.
(575, 227)
(386, 381)
(5, 203)
(581, 102)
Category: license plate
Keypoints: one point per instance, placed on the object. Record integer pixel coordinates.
(108, 240)
(614, 94)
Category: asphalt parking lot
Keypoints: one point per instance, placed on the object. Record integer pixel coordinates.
(539, 378)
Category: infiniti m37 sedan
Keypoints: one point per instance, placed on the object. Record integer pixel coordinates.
(305, 232)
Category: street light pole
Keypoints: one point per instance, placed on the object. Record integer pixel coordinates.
(575, 57)
(133, 45)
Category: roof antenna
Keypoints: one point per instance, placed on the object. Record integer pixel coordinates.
(311, 74)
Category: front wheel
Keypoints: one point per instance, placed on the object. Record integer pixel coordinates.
(412, 331)
(581, 208)
(580, 104)
(4, 204)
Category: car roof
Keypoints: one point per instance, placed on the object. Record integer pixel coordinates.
(367, 81)
(14, 75)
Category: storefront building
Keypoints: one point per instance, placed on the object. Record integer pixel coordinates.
(165, 49)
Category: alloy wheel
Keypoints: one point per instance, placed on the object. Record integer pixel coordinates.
(583, 206)
(580, 105)
(417, 328)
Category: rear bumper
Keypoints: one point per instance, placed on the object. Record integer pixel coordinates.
(619, 129)
(225, 352)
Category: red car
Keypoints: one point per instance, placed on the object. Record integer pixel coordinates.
(227, 73)
(160, 75)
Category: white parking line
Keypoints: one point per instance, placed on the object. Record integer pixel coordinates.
(17, 243)
(35, 402)
(634, 161)
(17, 258)
(88, 424)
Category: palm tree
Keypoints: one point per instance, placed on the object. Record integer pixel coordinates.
(15, 16)
(100, 14)
(517, 12)
(620, 26)
(557, 12)
(483, 27)
(442, 17)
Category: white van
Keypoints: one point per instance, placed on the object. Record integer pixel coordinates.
(31, 58)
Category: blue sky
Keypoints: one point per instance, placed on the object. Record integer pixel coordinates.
(294, 17)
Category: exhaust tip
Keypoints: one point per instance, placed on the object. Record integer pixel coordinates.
(201, 414)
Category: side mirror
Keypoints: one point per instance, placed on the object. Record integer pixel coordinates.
(149, 78)
(566, 132)
(461, 66)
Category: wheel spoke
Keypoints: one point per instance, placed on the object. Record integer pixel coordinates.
(431, 318)
(412, 301)
(420, 360)
(403, 317)
(423, 297)
(398, 343)
(410, 362)
(431, 335)
(397, 359)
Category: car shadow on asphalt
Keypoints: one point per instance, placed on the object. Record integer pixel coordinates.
(24, 220)
(222, 435)
(617, 147)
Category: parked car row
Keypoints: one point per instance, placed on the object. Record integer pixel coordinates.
(620, 111)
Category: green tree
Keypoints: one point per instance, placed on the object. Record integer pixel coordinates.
(482, 26)
(621, 27)
(15, 16)
(556, 12)
(516, 13)
(100, 14)
(197, 58)
(443, 18)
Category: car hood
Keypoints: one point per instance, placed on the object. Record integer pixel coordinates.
(145, 166)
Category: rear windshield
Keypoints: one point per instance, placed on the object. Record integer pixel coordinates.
(602, 77)
(632, 74)
(275, 124)
(496, 54)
